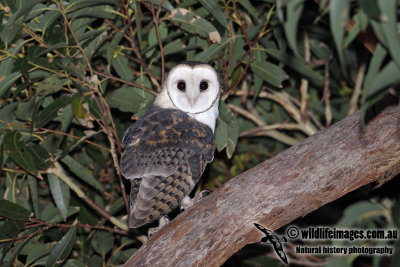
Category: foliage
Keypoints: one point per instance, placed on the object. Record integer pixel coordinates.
(73, 72)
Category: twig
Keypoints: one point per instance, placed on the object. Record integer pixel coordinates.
(58, 171)
(262, 129)
(156, 16)
(304, 82)
(257, 120)
(326, 96)
(74, 37)
(38, 223)
(125, 82)
(250, 52)
(357, 89)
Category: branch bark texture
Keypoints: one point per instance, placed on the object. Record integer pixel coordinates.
(299, 180)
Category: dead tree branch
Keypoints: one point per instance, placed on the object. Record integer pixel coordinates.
(318, 170)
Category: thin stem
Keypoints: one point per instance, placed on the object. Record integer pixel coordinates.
(74, 37)
(58, 171)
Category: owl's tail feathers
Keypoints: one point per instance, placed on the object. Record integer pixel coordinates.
(137, 222)
(133, 220)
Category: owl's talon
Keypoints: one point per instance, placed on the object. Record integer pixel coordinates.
(187, 202)
(161, 223)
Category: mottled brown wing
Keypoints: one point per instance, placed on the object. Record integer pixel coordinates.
(165, 160)
(158, 196)
(160, 141)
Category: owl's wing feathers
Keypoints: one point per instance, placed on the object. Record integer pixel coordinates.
(161, 141)
(165, 156)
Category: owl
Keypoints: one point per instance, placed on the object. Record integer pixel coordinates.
(168, 148)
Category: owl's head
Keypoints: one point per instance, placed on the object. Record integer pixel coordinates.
(192, 87)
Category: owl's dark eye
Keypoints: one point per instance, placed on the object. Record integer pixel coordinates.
(181, 86)
(203, 85)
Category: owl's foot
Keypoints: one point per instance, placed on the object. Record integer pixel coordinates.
(161, 223)
(187, 202)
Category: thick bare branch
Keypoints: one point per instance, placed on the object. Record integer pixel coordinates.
(301, 179)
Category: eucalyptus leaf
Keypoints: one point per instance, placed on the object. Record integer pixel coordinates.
(125, 99)
(7, 81)
(34, 193)
(214, 8)
(13, 211)
(18, 151)
(63, 248)
(270, 73)
(192, 23)
(226, 136)
(120, 64)
(294, 9)
(339, 16)
(50, 112)
(81, 172)
(102, 243)
(60, 192)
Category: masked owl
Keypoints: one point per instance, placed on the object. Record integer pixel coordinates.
(168, 148)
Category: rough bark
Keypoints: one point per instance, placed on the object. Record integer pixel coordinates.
(299, 180)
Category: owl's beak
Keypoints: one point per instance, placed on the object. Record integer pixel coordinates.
(192, 101)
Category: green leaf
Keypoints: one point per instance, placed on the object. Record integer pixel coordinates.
(60, 192)
(7, 81)
(12, 227)
(226, 136)
(269, 72)
(225, 113)
(388, 76)
(375, 63)
(25, 110)
(339, 17)
(50, 112)
(8, 34)
(48, 18)
(80, 171)
(153, 40)
(33, 189)
(77, 106)
(120, 64)
(13, 211)
(249, 8)
(237, 52)
(125, 99)
(297, 65)
(18, 151)
(23, 10)
(294, 10)
(7, 112)
(214, 8)
(53, 215)
(102, 243)
(370, 7)
(165, 4)
(95, 44)
(38, 252)
(113, 45)
(40, 156)
(389, 28)
(63, 248)
(173, 47)
(212, 51)
(354, 214)
(89, 3)
(192, 23)
(49, 85)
